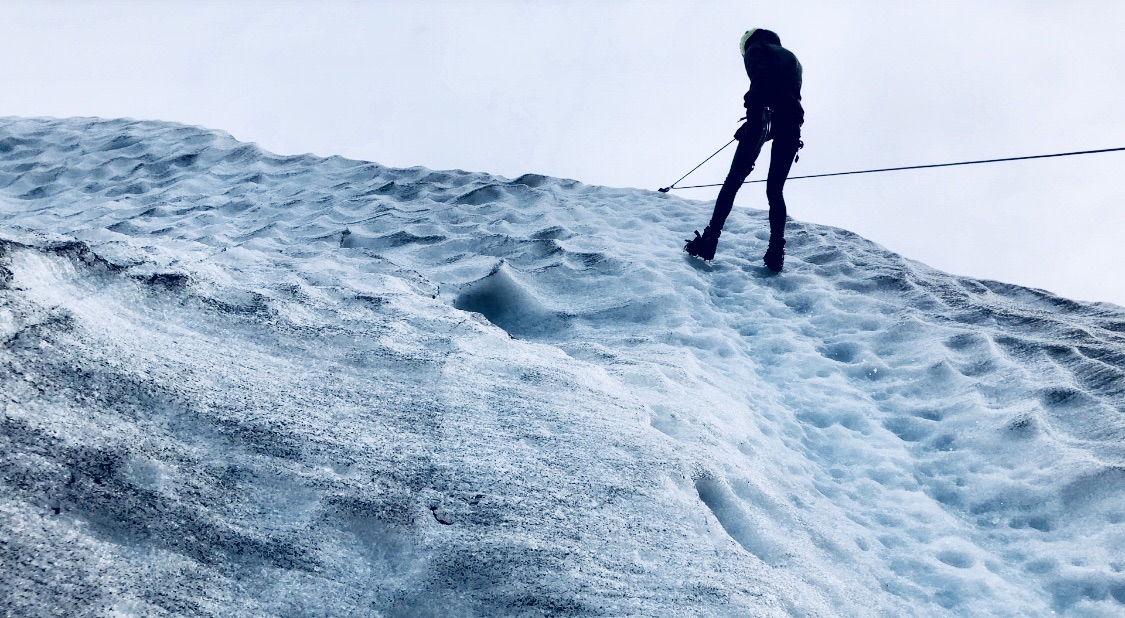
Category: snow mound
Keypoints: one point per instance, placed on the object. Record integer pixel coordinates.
(238, 383)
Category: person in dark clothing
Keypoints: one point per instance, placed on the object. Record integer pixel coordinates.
(773, 112)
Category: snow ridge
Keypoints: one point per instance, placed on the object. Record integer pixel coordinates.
(239, 383)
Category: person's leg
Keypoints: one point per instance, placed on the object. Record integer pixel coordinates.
(785, 143)
(744, 157)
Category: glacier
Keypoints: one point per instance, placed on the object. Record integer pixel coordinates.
(237, 383)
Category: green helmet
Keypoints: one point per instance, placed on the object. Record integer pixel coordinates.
(745, 37)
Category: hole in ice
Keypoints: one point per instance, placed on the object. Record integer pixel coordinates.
(955, 558)
(929, 415)
(908, 429)
(943, 442)
(845, 352)
(509, 304)
(736, 521)
(1065, 398)
(1041, 566)
(817, 418)
(966, 341)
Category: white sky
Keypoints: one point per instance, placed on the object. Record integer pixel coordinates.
(636, 93)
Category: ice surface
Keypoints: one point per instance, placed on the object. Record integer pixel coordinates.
(236, 383)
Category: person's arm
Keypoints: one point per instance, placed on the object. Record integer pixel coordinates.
(758, 70)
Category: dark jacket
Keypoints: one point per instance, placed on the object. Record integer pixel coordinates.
(775, 79)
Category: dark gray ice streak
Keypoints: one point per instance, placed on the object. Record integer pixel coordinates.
(234, 383)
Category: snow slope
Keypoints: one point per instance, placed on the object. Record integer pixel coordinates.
(237, 383)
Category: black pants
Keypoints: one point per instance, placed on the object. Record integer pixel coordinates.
(786, 136)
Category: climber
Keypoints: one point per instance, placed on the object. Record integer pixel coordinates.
(773, 112)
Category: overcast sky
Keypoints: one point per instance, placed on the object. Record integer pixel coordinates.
(636, 93)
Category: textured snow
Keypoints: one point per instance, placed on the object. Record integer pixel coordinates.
(236, 383)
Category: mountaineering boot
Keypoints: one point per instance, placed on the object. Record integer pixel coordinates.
(703, 246)
(775, 255)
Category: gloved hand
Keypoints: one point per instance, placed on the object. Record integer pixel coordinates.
(747, 131)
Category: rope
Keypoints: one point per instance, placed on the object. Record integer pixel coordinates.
(908, 167)
(673, 185)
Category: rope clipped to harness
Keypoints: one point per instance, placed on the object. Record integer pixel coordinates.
(762, 140)
(673, 185)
